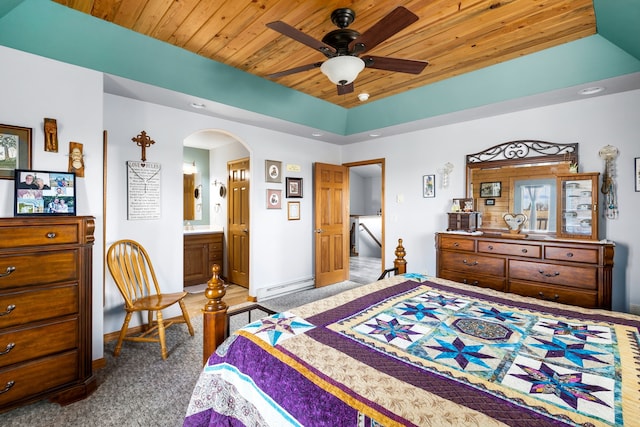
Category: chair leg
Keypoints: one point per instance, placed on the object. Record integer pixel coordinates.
(185, 315)
(123, 333)
(163, 344)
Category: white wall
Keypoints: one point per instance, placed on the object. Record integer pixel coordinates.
(34, 88)
(593, 123)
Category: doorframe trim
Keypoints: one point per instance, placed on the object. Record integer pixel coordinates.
(380, 161)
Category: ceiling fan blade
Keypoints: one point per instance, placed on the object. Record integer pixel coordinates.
(345, 89)
(396, 21)
(297, 35)
(394, 64)
(295, 70)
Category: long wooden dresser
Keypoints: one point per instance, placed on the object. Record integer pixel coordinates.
(567, 271)
(45, 309)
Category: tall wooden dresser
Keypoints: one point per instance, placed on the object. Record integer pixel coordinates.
(568, 271)
(45, 309)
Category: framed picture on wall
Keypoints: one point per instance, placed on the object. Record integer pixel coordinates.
(15, 150)
(293, 211)
(274, 199)
(490, 189)
(294, 188)
(273, 171)
(429, 186)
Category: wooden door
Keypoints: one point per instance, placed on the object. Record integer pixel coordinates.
(331, 223)
(238, 213)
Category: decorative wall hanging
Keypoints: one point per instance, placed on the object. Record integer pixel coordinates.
(274, 199)
(444, 174)
(294, 187)
(490, 189)
(76, 158)
(429, 186)
(15, 150)
(143, 141)
(51, 135)
(143, 190)
(609, 153)
(273, 171)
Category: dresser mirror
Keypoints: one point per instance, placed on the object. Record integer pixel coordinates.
(519, 177)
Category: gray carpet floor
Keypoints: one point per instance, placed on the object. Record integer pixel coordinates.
(138, 388)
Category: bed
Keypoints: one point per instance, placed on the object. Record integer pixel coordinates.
(415, 350)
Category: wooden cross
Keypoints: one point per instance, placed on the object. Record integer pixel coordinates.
(143, 141)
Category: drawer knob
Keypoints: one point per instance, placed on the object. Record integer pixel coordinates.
(569, 254)
(524, 251)
(456, 244)
(7, 387)
(10, 270)
(490, 247)
(556, 297)
(470, 264)
(557, 273)
(9, 309)
(51, 235)
(8, 349)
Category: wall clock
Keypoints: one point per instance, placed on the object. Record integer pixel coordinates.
(143, 190)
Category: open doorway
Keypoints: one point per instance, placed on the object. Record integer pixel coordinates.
(366, 217)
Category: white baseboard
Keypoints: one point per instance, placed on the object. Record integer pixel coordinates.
(284, 288)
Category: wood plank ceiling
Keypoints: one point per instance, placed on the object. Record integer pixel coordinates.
(455, 37)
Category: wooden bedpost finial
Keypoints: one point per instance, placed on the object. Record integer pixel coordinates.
(400, 263)
(215, 291)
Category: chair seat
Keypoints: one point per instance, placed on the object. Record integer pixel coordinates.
(157, 302)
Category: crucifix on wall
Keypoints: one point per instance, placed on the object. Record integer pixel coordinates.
(143, 141)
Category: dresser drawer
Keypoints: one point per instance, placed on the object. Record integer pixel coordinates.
(513, 249)
(571, 254)
(472, 263)
(577, 277)
(38, 235)
(474, 280)
(31, 378)
(24, 344)
(458, 243)
(39, 268)
(30, 306)
(557, 294)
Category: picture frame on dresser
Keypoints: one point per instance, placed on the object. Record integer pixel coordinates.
(44, 193)
(15, 149)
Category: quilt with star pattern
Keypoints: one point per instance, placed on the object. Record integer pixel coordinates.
(415, 350)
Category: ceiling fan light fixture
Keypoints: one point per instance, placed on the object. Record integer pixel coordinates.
(342, 70)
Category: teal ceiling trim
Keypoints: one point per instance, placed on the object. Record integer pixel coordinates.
(619, 22)
(51, 30)
(586, 60)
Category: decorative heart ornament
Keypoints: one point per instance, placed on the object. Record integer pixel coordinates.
(515, 221)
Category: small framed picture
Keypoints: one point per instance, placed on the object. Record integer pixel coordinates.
(429, 186)
(294, 188)
(293, 211)
(274, 199)
(637, 173)
(490, 202)
(490, 189)
(15, 150)
(273, 170)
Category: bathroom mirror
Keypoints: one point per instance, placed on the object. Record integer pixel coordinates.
(525, 172)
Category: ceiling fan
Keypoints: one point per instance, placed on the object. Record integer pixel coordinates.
(344, 46)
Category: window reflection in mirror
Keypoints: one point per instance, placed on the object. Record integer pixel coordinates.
(536, 199)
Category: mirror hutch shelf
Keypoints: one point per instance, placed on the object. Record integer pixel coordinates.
(554, 253)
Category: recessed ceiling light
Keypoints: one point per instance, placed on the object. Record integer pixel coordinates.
(316, 134)
(197, 105)
(363, 96)
(374, 134)
(590, 90)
